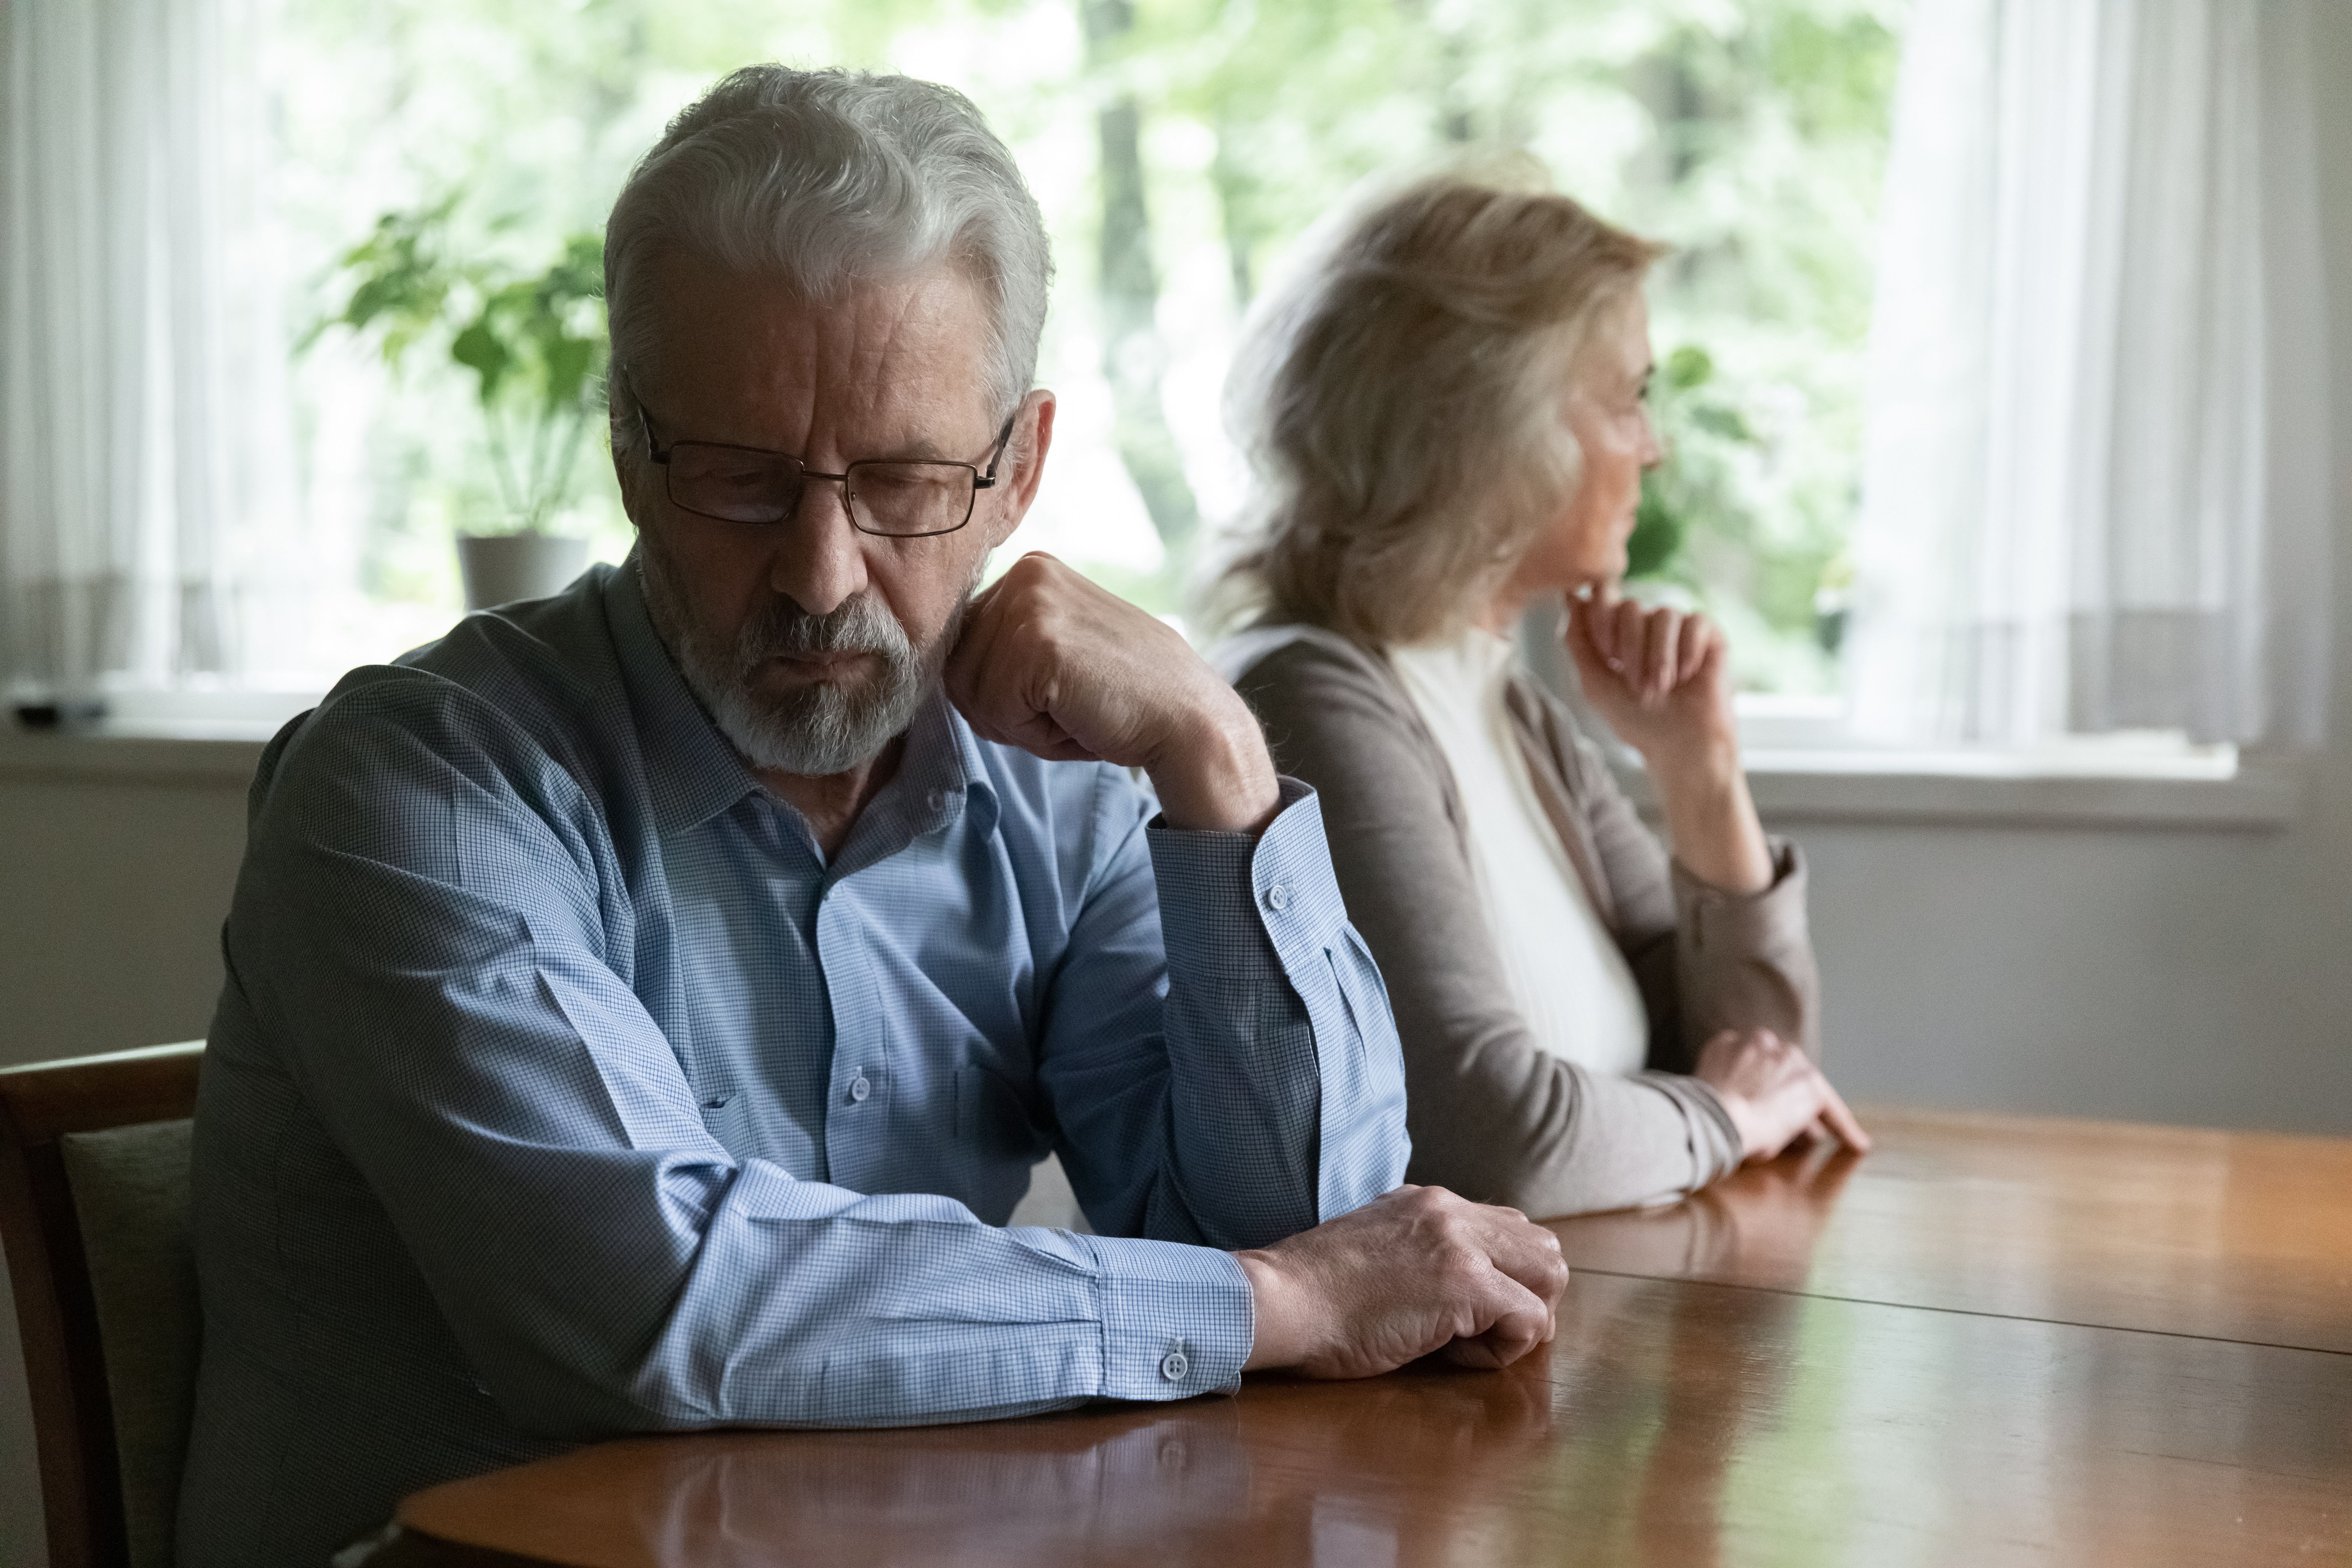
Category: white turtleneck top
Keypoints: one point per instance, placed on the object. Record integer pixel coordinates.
(1566, 974)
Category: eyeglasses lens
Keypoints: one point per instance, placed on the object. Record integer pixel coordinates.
(735, 485)
(910, 498)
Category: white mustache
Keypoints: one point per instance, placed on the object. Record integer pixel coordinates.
(855, 626)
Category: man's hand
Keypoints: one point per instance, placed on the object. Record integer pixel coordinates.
(1056, 665)
(1774, 1093)
(1417, 1271)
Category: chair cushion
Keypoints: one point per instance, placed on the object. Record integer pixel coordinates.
(131, 1193)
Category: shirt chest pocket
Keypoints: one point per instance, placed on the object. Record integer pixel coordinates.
(994, 1120)
(729, 1119)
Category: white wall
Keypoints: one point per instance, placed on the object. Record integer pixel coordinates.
(109, 924)
(110, 899)
(2161, 976)
(2196, 977)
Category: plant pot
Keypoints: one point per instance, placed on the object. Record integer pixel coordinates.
(499, 568)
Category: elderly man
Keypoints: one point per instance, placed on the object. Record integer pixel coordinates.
(645, 1006)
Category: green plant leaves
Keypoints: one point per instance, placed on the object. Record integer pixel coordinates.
(1658, 532)
(1688, 366)
(534, 341)
(479, 350)
(1703, 431)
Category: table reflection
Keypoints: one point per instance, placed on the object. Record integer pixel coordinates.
(1760, 1226)
(1382, 1472)
(1747, 1376)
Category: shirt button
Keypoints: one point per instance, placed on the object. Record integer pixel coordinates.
(859, 1089)
(1175, 1365)
(1278, 896)
(938, 800)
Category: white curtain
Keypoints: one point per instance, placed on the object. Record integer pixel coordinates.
(2095, 477)
(145, 459)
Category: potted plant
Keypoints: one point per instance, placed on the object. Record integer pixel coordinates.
(535, 342)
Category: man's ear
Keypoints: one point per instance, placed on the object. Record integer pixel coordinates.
(1032, 435)
(625, 472)
(630, 471)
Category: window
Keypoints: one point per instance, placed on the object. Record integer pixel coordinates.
(1177, 148)
(2060, 471)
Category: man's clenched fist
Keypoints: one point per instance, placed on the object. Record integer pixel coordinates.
(1059, 665)
(1415, 1271)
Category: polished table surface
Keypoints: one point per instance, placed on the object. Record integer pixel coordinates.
(1992, 1341)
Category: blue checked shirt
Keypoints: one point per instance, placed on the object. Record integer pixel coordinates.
(560, 1088)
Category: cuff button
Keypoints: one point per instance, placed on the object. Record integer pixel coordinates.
(1175, 1365)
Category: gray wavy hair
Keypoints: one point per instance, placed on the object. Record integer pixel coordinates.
(1399, 400)
(829, 179)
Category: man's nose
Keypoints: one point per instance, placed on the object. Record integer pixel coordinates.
(819, 558)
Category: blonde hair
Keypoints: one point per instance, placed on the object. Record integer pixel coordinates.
(1400, 403)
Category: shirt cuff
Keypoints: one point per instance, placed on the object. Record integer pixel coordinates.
(1214, 887)
(1177, 1320)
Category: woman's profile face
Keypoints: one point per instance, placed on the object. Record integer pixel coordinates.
(1605, 406)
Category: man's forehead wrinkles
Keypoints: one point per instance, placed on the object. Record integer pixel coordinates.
(900, 369)
(910, 373)
(891, 368)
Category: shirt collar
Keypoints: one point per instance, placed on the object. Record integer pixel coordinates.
(940, 775)
(691, 772)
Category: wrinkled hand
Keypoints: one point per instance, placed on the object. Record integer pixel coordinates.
(1774, 1093)
(1661, 679)
(1414, 1271)
(1063, 667)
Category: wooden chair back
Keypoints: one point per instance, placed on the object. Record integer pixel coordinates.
(46, 1111)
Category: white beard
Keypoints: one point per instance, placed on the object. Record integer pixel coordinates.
(818, 730)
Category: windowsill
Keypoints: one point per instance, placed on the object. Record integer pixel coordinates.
(1986, 790)
(2258, 794)
(216, 753)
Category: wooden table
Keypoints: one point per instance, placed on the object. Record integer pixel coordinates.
(1993, 1340)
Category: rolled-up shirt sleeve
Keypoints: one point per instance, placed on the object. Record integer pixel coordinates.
(435, 942)
(1317, 1016)
(1220, 1051)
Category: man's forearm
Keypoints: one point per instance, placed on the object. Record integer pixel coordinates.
(1283, 1321)
(1217, 777)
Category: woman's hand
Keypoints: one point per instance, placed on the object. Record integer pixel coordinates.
(1774, 1093)
(1659, 675)
(1662, 679)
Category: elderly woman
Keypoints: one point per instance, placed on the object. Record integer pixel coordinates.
(1447, 411)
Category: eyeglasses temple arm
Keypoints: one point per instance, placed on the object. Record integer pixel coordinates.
(646, 423)
(989, 479)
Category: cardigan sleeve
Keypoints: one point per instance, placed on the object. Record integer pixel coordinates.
(1705, 959)
(1492, 1115)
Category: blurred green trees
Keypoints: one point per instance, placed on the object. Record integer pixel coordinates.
(1178, 147)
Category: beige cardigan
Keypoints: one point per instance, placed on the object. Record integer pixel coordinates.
(1493, 1115)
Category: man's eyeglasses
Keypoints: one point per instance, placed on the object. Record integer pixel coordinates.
(895, 497)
